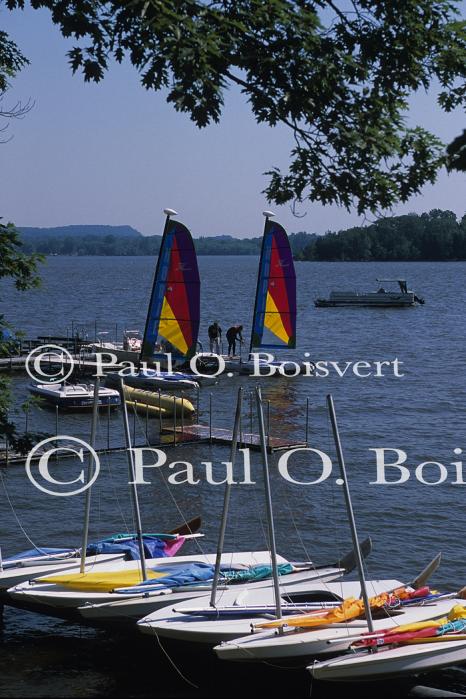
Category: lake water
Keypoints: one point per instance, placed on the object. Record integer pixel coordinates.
(421, 413)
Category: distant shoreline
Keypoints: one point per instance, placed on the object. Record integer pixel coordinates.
(436, 236)
(257, 255)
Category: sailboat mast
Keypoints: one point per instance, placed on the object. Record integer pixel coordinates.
(349, 508)
(169, 213)
(226, 498)
(87, 504)
(268, 504)
(134, 489)
(268, 215)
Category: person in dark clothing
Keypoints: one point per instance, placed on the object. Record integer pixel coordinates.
(234, 334)
(215, 335)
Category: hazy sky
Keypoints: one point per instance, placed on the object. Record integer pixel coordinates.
(113, 153)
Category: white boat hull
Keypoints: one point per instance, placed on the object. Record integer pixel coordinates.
(45, 597)
(176, 625)
(12, 576)
(125, 610)
(390, 663)
(75, 396)
(299, 643)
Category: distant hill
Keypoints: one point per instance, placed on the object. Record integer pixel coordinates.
(125, 240)
(97, 231)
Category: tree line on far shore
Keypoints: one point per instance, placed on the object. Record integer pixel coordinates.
(436, 235)
(110, 244)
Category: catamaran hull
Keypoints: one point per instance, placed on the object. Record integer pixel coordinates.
(391, 663)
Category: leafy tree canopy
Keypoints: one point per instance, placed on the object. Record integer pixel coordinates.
(456, 153)
(11, 60)
(338, 73)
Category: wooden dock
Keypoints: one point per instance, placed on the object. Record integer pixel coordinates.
(219, 435)
(82, 364)
(12, 458)
(170, 437)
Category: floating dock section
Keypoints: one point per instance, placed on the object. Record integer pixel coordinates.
(219, 435)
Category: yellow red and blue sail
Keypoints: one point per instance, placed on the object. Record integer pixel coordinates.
(274, 323)
(173, 318)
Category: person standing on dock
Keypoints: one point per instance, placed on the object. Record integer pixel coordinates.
(234, 334)
(215, 336)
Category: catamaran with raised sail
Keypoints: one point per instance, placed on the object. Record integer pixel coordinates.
(274, 316)
(172, 322)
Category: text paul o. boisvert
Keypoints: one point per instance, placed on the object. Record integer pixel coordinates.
(316, 467)
(390, 468)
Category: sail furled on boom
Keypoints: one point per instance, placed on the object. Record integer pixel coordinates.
(274, 323)
(173, 318)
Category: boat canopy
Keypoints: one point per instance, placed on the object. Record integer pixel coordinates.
(274, 322)
(172, 323)
(402, 283)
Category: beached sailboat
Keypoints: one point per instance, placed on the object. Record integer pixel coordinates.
(185, 578)
(214, 623)
(118, 591)
(253, 574)
(411, 649)
(39, 561)
(26, 565)
(236, 612)
(327, 631)
(289, 638)
(240, 572)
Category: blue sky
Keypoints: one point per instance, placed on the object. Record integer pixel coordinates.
(113, 153)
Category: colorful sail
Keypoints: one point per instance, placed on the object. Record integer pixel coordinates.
(173, 318)
(274, 323)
